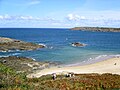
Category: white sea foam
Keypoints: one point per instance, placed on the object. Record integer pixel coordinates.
(3, 51)
(17, 50)
(14, 54)
(33, 59)
(78, 46)
(99, 58)
(94, 60)
(51, 47)
(73, 45)
(42, 44)
(5, 55)
(10, 51)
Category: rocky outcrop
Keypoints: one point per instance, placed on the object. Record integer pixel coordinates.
(23, 64)
(77, 44)
(7, 44)
(101, 29)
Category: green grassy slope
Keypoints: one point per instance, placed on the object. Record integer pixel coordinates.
(11, 80)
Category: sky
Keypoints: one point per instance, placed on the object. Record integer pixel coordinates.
(59, 13)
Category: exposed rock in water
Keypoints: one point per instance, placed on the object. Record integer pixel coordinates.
(77, 44)
(7, 44)
(23, 64)
(101, 29)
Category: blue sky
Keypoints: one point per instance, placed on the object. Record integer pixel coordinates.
(59, 13)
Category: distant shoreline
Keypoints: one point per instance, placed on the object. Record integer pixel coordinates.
(99, 29)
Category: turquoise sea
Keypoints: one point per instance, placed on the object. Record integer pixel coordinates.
(100, 45)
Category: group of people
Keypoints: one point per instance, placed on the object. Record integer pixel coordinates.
(54, 76)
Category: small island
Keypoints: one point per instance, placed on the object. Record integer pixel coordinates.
(77, 44)
(98, 29)
(7, 44)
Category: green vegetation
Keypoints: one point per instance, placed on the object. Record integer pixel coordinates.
(11, 80)
(23, 64)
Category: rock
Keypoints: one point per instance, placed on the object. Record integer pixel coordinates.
(7, 44)
(23, 64)
(77, 44)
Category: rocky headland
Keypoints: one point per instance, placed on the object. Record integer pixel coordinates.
(24, 64)
(99, 29)
(7, 44)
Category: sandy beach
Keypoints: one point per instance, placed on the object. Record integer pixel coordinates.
(111, 65)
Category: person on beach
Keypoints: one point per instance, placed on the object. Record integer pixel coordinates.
(70, 75)
(54, 76)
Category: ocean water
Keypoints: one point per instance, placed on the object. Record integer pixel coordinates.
(100, 45)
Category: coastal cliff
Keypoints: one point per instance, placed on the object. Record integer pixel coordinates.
(7, 44)
(101, 29)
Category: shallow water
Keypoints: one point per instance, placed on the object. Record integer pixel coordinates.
(58, 42)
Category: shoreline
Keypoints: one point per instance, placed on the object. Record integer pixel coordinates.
(111, 65)
(99, 58)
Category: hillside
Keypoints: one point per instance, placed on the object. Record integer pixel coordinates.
(10, 79)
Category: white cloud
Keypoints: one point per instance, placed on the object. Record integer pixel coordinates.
(28, 18)
(1, 17)
(100, 20)
(75, 17)
(28, 21)
(5, 17)
(8, 17)
(83, 17)
(25, 17)
(34, 2)
(71, 21)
